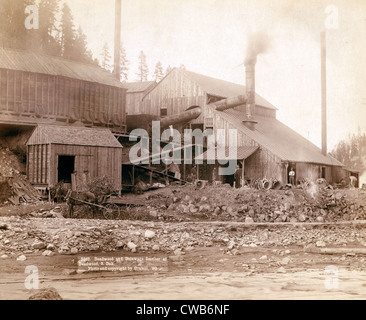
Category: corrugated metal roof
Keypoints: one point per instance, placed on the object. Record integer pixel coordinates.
(139, 86)
(279, 139)
(38, 63)
(68, 135)
(240, 154)
(223, 88)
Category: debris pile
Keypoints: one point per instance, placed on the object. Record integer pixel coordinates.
(10, 165)
(46, 294)
(20, 238)
(314, 204)
(14, 188)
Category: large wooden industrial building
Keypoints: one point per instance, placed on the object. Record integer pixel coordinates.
(72, 109)
(68, 112)
(277, 148)
(38, 88)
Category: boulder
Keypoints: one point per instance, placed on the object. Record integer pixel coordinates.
(46, 294)
(47, 253)
(39, 245)
(249, 220)
(22, 258)
(320, 243)
(119, 244)
(149, 234)
(132, 246)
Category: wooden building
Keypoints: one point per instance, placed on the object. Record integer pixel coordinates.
(134, 95)
(40, 89)
(74, 155)
(181, 89)
(277, 147)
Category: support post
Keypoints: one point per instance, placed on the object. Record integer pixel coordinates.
(324, 92)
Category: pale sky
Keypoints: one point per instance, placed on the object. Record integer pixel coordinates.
(209, 37)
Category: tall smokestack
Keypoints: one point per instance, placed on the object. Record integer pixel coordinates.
(117, 40)
(324, 92)
(249, 121)
(258, 43)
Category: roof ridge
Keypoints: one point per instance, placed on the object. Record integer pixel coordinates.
(54, 57)
(41, 63)
(191, 75)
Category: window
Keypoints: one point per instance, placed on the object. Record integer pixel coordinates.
(209, 122)
(163, 112)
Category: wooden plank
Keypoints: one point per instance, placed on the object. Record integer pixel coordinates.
(7, 90)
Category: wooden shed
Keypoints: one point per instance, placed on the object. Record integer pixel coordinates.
(74, 155)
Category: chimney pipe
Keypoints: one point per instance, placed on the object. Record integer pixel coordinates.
(249, 121)
(230, 103)
(117, 39)
(324, 92)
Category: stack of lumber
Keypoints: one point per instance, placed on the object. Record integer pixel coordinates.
(17, 190)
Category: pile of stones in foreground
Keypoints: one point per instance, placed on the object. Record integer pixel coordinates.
(22, 237)
(295, 205)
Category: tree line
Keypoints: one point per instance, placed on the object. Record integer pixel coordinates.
(142, 69)
(57, 35)
(352, 152)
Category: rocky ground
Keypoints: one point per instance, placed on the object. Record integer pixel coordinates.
(20, 237)
(191, 234)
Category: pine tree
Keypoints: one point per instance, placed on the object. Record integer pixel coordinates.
(48, 10)
(124, 64)
(143, 70)
(81, 51)
(13, 33)
(168, 69)
(158, 74)
(67, 32)
(352, 152)
(106, 58)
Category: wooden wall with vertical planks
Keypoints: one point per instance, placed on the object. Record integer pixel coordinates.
(32, 95)
(175, 93)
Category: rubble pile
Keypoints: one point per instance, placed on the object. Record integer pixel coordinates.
(14, 188)
(316, 204)
(20, 238)
(10, 165)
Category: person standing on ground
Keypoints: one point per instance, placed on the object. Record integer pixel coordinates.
(353, 181)
(292, 176)
(193, 175)
(214, 175)
(237, 177)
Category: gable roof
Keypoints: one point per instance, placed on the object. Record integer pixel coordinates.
(216, 87)
(19, 60)
(222, 88)
(68, 135)
(279, 139)
(140, 86)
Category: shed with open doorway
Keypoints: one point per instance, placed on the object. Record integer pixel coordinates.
(74, 155)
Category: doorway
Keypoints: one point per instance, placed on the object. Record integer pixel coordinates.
(66, 167)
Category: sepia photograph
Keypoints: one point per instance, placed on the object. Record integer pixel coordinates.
(182, 154)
